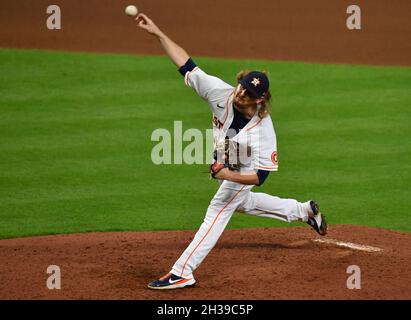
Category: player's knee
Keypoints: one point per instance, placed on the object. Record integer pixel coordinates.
(248, 204)
(241, 209)
(222, 198)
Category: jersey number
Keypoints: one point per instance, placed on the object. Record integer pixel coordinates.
(217, 122)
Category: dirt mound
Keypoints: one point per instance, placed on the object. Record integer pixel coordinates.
(279, 30)
(268, 263)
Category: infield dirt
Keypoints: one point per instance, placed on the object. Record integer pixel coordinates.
(246, 264)
(266, 263)
(276, 30)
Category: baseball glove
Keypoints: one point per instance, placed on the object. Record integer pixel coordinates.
(225, 156)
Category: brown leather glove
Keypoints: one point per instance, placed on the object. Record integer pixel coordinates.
(222, 155)
(216, 167)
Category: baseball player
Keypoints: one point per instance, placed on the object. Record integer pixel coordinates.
(243, 130)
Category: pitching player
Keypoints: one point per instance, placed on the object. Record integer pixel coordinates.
(241, 118)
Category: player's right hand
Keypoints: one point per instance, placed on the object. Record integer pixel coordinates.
(147, 24)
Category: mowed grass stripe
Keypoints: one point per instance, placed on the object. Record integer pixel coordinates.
(75, 142)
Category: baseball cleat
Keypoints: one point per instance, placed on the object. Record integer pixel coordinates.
(318, 222)
(171, 281)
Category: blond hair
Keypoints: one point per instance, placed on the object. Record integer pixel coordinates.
(266, 103)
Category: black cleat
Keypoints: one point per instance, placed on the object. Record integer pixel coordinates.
(318, 222)
(171, 281)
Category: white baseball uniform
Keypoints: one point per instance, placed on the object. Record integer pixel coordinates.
(259, 134)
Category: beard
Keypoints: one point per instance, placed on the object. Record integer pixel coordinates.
(244, 103)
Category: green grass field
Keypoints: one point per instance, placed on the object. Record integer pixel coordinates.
(75, 142)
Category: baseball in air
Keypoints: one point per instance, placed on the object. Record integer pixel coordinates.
(131, 10)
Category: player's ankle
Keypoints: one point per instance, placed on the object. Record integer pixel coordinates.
(308, 209)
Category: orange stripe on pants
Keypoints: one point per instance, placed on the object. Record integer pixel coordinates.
(215, 219)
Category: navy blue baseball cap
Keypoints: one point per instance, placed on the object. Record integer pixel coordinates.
(256, 84)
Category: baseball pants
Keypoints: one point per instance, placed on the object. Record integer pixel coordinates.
(230, 197)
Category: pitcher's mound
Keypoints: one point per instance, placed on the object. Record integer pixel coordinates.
(268, 263)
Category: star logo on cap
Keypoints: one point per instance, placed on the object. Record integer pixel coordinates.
(255, 82)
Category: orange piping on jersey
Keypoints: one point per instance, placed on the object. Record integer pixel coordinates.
(185, 78)
(226, 107)
(262, 167)
(187, 75)
(215, 219)
(254, 125)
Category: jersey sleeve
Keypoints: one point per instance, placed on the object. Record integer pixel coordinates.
(210, 88)
(267, 160)
(265, 153)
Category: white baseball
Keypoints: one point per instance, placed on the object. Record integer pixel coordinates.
(131, 10)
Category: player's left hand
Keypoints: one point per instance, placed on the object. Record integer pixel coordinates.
(219, 170)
